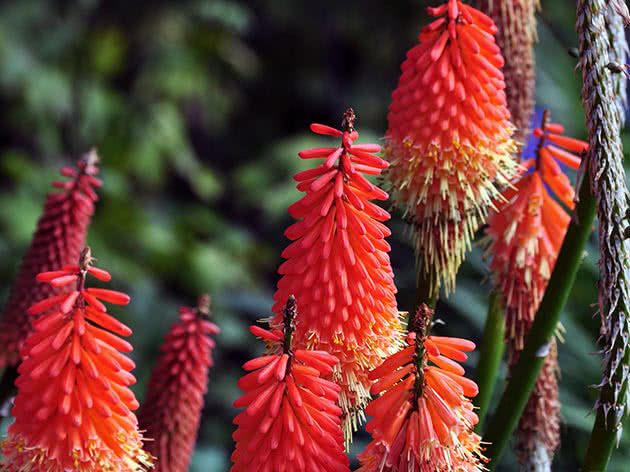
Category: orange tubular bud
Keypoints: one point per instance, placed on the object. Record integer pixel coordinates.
(74, 383)
(291, 421)
(338, 267)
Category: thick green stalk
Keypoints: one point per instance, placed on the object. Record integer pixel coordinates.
(492, 347)
(605, 433)
(425, 293)
(525, 372)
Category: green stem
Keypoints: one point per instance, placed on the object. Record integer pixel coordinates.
(525, 372)
(492, 347)
(424, 291)
(601, 444)
(423, 294)
(605, 432)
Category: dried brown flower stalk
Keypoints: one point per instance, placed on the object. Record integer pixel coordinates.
(539, 427)
(517, 32)
(595, 22)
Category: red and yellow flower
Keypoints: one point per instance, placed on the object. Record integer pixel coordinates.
(528, 227)
(449, 139)
(423, 418)
(73, 410)
(338, 266)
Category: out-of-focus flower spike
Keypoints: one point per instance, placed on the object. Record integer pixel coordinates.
(291, 421)
(57, 242)
(64, 417)
(171, 412)
(338, 267)
(449, 140)
(516, 34)
(423, 420)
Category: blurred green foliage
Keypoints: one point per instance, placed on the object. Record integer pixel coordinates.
(198, 109)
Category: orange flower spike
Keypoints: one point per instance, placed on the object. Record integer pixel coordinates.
(423, 420)
(291, 422)
(338, 266)
(73, 410)
(449, 139)
(527, 232)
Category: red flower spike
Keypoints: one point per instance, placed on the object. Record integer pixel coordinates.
(423, 419)
(291, 421)
(449, 139)
(338, 266)
(527, 230)
(73, 410)
(57, 241)
(171, 412)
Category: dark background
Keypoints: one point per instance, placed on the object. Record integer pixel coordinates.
(198, 109)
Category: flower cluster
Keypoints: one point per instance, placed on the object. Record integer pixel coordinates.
(449, 136)
(73, 410)
(423, 418)
(338, 265)
(527, 231)
(291, 422)
(58, 241)
(171, 412)
(528, 227)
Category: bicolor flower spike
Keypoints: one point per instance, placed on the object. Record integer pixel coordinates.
(171, 412)
(338, 266)
(423, 418)
(73, 410)
(57, 242)
(291, 421)
(528, 227)
(449, 139)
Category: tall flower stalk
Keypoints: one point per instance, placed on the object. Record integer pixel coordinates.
(171, 412)
(74, 408)
(595, 27)
(449, 139)
(338, 266)
(58, 241)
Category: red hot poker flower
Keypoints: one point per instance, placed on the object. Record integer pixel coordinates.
(527, 229)
(423, 418)
(449, 136)
(73, 410)
(291, 422)
(171, 412)
(58, 241)
(338, 265)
